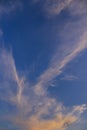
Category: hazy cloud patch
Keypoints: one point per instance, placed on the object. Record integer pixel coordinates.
(7, 7)
(53, 8)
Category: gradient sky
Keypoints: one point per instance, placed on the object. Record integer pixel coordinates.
(43, 64)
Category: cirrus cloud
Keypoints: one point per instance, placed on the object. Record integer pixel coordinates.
(7, 7)
(53, 8)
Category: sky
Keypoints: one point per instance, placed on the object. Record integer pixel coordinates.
(43, 64)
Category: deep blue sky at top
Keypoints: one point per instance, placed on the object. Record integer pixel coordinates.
(31, 35)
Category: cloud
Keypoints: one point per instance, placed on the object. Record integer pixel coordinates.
(56, 66)
(12, 84)
(69, 77)
(58, 121)
(79, 108)
(32, 102)
(7, 7)
(35, 108)
(35, 111)
(78, 7)
(53, 8)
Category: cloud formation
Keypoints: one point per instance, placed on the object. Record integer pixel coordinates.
(36, 110)
(34, 107)
(55, 7)
(56, 66)
(58, 121)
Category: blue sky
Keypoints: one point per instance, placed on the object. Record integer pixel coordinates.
(43, 50)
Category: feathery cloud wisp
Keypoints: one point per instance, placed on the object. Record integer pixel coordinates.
(56, 66)
(53, 8)
(69, 77)
(9, 77)
(7, 7)
(43, 111)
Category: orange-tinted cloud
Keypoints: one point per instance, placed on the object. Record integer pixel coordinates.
(59, 121)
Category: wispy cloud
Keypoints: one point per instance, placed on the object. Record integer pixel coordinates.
(78, 7)
(9, 77)
(69, 77)
(58, 121)
(72, 43)
(7, 7)
(39, 109)
(36, 110)
(56, 66)
(53, 8)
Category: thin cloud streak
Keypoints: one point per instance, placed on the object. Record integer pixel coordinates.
(9, 73)
(56, 67)
(43, 111)
(69, 77)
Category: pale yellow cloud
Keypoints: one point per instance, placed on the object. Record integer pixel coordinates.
(60, 121)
